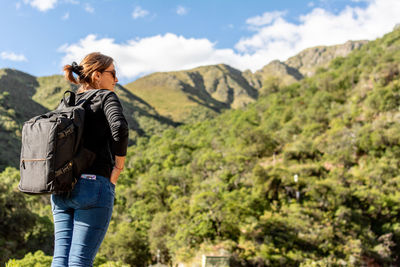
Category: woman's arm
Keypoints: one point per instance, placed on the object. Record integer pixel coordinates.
(119, 133)
(118, 167)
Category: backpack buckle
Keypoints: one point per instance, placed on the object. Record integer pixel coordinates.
(65, 169)
(69, 130)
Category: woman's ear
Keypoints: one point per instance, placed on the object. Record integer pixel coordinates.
(95, 76)
(96, 79)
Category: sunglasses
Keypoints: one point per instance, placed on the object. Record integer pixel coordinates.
(113, 73)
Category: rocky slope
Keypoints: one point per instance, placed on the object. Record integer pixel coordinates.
(159, 100)
(16, 106)
(304, 64)
(23, 96)
(175, 94)
(180, 94)
(310, 59)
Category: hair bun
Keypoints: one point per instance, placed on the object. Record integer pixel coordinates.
(76, 68)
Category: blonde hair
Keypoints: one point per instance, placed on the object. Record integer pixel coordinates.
(92, 62)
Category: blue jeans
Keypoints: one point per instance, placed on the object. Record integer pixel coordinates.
(81, 220)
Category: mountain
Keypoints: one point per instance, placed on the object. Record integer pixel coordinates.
(208, 90)
(142, 117)
(307, 175)
(16, 106)
(50, 90)
(160, 100)
(274, 70)
(310, 59)
(23, 96)
(304, 64)
(176, 94)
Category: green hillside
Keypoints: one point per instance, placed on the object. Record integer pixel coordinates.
(142, 118)
(16, 106)
(23, 96)
(209, 89)
(50, 90)
(227, 185)
(309, 60)
(203, 92)
(158, 101)
(304, 64)
(274, 71)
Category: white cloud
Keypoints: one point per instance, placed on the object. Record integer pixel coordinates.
(89, 8)
(18, 5)
(181, 10)
(66, 16)
(282, 39)
(42, 5)
(279, 39)
(265, 18)
(139, 13)
(157, 53)
(12, 56)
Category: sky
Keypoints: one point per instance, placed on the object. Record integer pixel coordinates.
(145, 36)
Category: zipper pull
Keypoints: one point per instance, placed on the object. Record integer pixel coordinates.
(23, 164)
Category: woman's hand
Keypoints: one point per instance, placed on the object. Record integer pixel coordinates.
(117, 169)
(114, 175)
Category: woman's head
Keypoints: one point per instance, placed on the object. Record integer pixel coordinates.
(96, 71)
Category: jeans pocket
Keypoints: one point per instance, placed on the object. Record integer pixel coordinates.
(86, 193)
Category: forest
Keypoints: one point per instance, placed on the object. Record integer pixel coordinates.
(307, 175)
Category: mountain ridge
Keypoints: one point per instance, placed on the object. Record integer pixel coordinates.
(159, 100)
(308, 175)
(23, 96)
(225, 87)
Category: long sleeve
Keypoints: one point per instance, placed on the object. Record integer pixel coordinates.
(117, 122)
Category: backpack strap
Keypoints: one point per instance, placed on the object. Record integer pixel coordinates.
(71, 101)
(89, 96)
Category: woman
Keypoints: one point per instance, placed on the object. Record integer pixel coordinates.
(82, 218)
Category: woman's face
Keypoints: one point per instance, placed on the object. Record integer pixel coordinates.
(108, 78)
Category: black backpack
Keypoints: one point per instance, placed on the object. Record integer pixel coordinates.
(52, 154)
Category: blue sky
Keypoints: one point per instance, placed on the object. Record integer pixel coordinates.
(39, 36)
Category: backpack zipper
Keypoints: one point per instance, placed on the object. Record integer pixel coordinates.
(23, 161)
